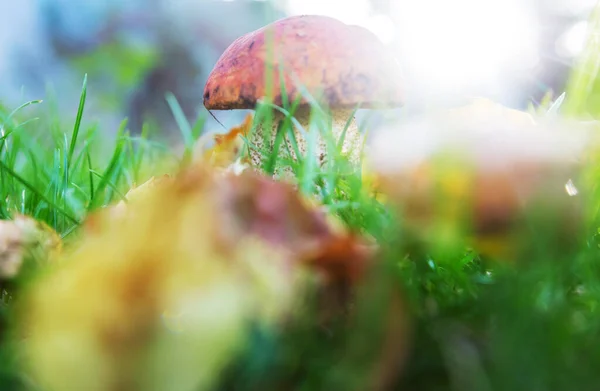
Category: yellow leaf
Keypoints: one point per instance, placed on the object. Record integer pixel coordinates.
(227, 147)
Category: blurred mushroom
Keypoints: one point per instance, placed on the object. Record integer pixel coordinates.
(341, 66)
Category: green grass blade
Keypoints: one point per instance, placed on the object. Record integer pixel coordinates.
(309, 166)
(21, 107)
(110, 184)
(34, 189)
(90, 168)
(112, 167)
(340, 142)
(580, 86)
(198, 126)
(285, 102)
(183, 124)
(77, 125)
(19, 126)
(271, 161)
(556, 105)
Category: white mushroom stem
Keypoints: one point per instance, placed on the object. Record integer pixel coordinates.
(351, 147)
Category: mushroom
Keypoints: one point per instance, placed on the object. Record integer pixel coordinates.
(342, 67)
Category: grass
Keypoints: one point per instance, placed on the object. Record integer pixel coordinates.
(59, 176)
(478, 325)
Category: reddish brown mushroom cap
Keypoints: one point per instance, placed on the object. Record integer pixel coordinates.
(339, 64)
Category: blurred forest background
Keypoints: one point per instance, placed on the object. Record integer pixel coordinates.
(136, 51)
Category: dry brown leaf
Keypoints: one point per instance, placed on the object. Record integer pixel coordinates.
(11, 249)
(250, 203)
(275, 213)
(172, 282)
(343, 258)
(98, 321)
(24, 238)
(254, 204)
(93, 221)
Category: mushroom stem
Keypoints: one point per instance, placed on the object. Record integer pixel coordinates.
(351, 147)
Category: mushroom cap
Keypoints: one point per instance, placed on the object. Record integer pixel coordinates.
(340, 65)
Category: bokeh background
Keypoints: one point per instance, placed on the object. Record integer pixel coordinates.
(136, 51)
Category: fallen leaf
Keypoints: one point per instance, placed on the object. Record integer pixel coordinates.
(157, 288)
(250, 203)
(227, 147)
(23, 238)
(276, 212)
(93, 221)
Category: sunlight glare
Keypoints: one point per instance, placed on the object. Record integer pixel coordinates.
(356, 12)
(351, 12)
(452, 44)
(573, 41)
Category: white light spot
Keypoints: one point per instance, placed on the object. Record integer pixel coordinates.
(382, 26)
(350, 12)
(570, 7)
(573, 41)
(571, 189)
(356, 12)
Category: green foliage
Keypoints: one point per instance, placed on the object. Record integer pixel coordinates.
(58, 176)
(583, 88)
(123, 65)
